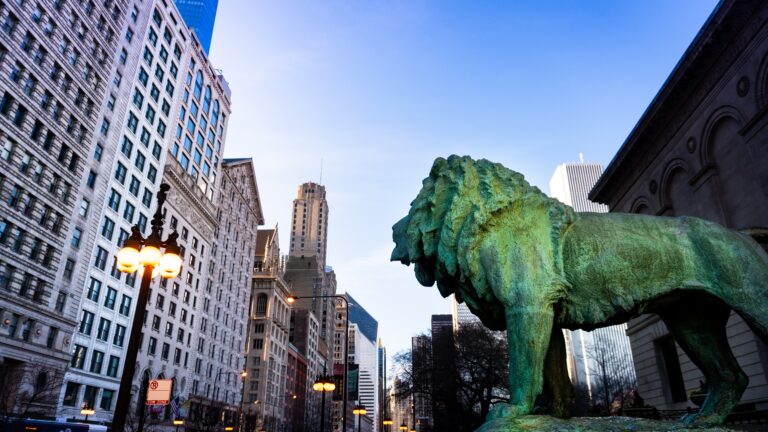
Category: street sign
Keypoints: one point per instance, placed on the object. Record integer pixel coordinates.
(159, 392)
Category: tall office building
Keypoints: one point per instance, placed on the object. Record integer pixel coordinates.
(363, 333)
(309, 223)
(384, 412)
(195, 323)
(587, 351)
(199, 15)
(57, 64)
(460, 314)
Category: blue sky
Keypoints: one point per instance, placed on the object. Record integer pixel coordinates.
(377, 89)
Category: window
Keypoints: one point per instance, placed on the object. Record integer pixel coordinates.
(100, 261)
(134, 186)
(142, 222)
(69, 268)
(94, 288)
(114, 200)
(97, 152)
(103, 332)
(143, 77)
(91, 182)
(112, 366)
(104, 126)
(156, 323)
(108, 228)
(150, 115)
(133, 121)
(147, 198)
(97, 361)
(128, 212)
(169, 329)
(70, 394)
(61, 301)
(166, 350)
(77, 234)
(138, 99)
(152, 345)
(84, 205)
(125, 305)
(154, 93)
(139, 162)
(152, 173)
(120, 172)
(109, 299)
(108, 395)
(129, 34)
(86, 323)
(148, 57)
(119, 337)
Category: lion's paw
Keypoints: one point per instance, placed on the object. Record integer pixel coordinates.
(504, 410)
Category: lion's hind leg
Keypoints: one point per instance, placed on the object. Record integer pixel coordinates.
(699, 328)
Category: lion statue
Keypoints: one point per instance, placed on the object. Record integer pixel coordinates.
(530, 265)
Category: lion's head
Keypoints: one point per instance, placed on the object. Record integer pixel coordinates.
(446, 224)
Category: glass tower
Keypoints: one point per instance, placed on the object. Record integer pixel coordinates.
(199, 16)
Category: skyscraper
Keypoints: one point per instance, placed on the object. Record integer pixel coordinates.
(309, 224)
(460, 314)
(363, 332)
(571, 184)
(199, 15)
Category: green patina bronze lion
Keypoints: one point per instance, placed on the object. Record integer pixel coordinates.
(530, 265)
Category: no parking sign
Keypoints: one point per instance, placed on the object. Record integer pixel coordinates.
(159, 392)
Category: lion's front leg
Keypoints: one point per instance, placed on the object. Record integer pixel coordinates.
(528, 333)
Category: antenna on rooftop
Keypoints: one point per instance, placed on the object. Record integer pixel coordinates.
(321, 171)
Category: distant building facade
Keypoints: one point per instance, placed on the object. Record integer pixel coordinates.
(309, 222)
(605, 352)
(267, 349)
(200, 16)
(700, 150)
(460, 314)
(363, 334)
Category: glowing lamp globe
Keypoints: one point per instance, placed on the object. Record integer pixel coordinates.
(128, 259)
(170, 265)
(329, 386)
(149, 255)
(317, 386)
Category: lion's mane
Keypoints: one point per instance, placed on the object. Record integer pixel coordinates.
(456, 204)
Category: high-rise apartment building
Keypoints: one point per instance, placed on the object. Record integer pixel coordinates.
(200, 16)
(57, 60)
(587, 352)
(309, 223)
(267, 349)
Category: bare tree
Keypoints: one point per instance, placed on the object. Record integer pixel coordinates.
(461, 379)
(29, 390)
(612, 378)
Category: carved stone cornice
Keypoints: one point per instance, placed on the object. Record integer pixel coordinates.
(188, 199)
(717, 46)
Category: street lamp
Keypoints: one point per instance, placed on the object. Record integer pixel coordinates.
(291, 300)
(403, 427)
(359, 411)
(145, 253)
(387, 423)
(177, 423)
(243, 375)
(324, 384)
(87, 411)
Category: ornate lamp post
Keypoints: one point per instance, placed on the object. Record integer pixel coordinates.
(324, 384)
(387, 423)
(359, 411)
(87, 411)
(145, 253)
(291, 300)
(403, 427)
(177, 423)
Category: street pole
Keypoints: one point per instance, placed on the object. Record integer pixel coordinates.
(129, 364)
(322, 413)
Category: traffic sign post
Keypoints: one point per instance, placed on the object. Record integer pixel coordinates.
(159, 392)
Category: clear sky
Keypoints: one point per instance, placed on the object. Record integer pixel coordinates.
(376, 89)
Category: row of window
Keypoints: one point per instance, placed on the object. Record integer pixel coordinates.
(72, 394)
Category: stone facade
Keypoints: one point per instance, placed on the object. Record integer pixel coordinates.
(266, 350)
(700, 150)
(57, 60)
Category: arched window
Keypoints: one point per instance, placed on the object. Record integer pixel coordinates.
(215, 115)
(261, 304)
(198, 84)
(207, 100)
